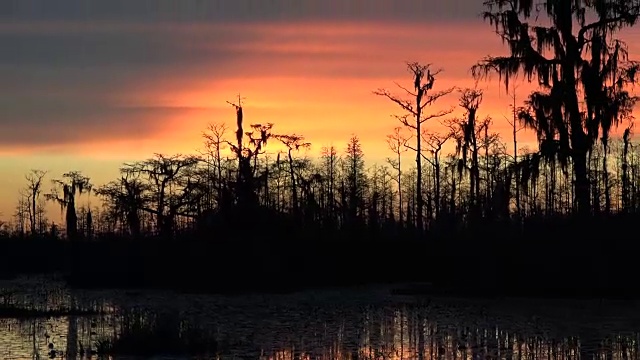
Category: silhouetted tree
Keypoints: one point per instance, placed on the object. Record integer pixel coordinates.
(329, 169)
(293, 143)
(625, 170)
(466, 136)
(515, 126)
(423, 83)
(72, 183)
(434, 143)
(398, 144)
(558, 56)
(246, 181)
(126, 198)
(214, 145)
(22, 213)
(355, 181)
(170, 187)
(34, 187)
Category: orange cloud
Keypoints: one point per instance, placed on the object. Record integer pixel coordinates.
(310, 78)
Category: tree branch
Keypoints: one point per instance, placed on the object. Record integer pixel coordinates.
(406, 105)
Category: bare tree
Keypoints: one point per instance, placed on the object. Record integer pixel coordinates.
(624, 163)
(516, 127)
(293, 143)
(423, 82)
(34, 187)
(214, 144)
(22, 212)
(435, 142)
(398, 144)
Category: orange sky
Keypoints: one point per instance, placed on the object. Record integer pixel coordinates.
(101, 104)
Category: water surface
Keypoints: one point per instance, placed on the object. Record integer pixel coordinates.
(355, 323)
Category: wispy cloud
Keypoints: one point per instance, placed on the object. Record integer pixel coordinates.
(74, 82)
(240, 10)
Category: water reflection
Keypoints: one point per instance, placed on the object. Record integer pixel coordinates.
(356, 324)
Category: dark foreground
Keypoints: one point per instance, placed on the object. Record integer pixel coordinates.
(561, 261)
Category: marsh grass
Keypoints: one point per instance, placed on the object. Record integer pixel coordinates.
(159, 334)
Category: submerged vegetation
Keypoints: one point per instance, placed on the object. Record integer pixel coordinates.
(487, 215)
(161, 334)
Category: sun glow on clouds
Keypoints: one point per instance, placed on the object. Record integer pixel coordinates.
(126, 90)
(317, 79)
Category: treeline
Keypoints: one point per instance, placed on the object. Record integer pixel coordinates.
(480, 179)
(579, 169)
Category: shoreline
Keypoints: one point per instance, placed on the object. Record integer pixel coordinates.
(467, 270)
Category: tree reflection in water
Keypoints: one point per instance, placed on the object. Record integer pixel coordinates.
(341, 325)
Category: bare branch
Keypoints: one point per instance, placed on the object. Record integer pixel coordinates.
(437, 115)
(404, 120)
(406, 105)
(421, 154)
(405, 89)
(430, 99)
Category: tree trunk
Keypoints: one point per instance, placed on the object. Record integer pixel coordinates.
(582, 191)
(437, 170)
(605, 176)
(294, 188)
(400, 217)
(419, 202)
(72, 222)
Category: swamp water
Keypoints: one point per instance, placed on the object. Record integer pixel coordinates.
(355, 323)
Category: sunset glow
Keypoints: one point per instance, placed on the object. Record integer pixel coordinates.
(115, 89)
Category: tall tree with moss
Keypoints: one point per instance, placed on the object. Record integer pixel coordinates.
(64, 193)
(125, 198)
(466, 132)
(571, 49)
(247, 156)
(422, 96)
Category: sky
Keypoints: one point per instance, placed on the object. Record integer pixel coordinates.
(87, 85)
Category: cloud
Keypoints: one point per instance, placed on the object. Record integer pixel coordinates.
(56, 123)
(98, 71)
(240, 10)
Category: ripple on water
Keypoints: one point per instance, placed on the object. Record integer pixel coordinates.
(329, 324)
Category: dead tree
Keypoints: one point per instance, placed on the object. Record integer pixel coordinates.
(398, 144)
(435, 142)
(34, 187)
(625, 169)
(214, 144)
(293, 142)
(258, 137)
(422, 97)
(515, 129)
